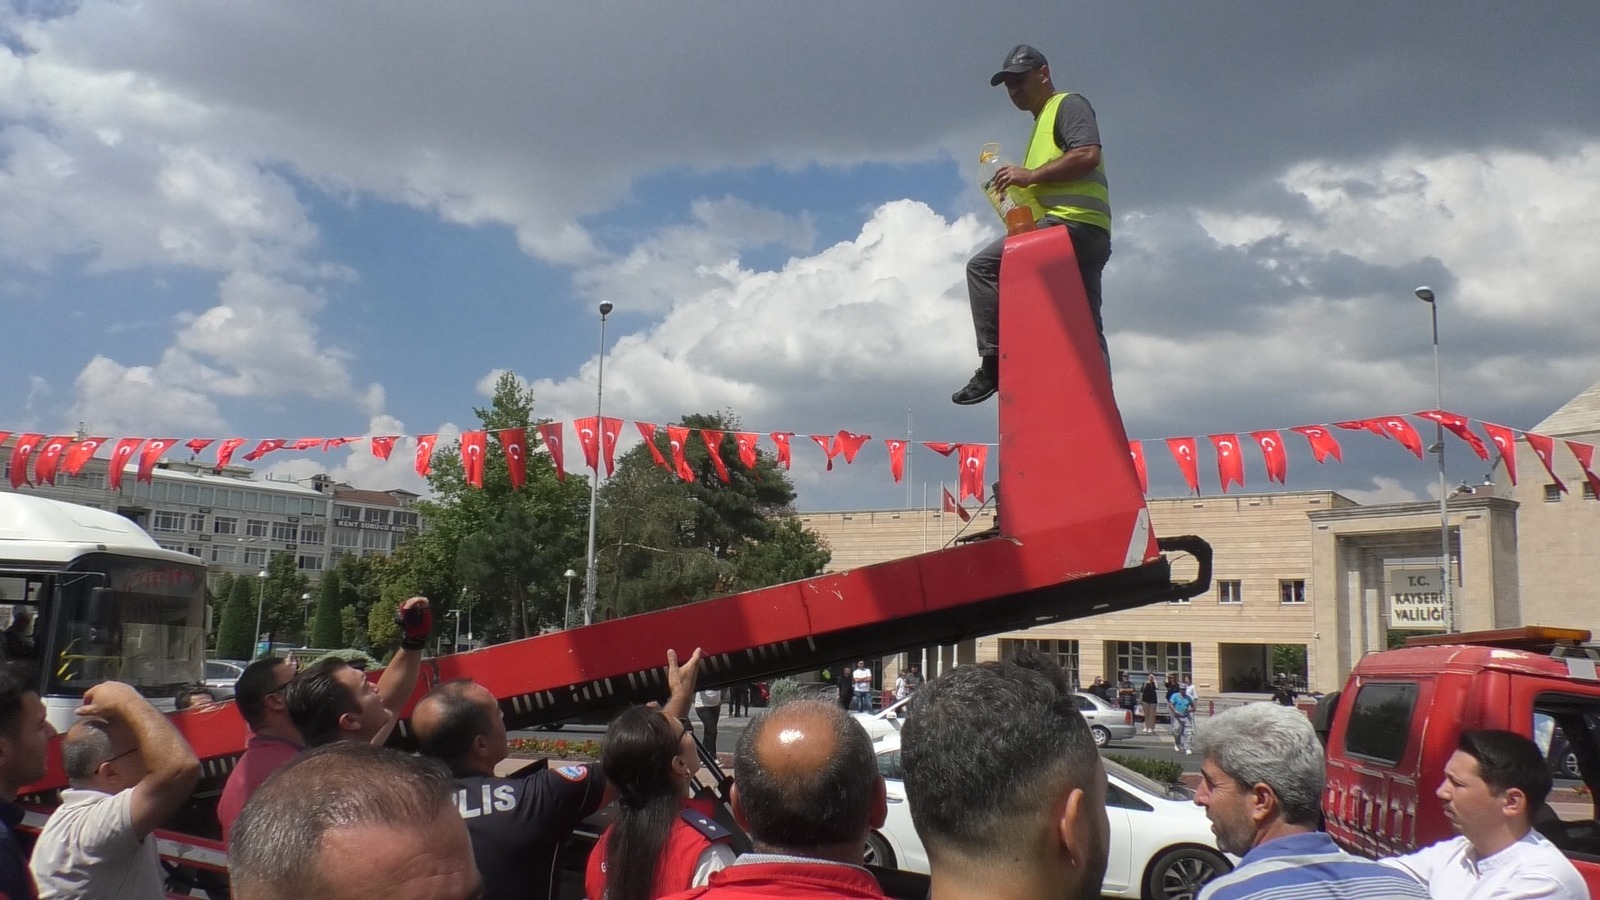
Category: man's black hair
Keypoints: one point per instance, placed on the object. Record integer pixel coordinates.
(1508, 760)
(256, 682)
(460, 721)
(316, 699)
(14, 684)
(987, 746)
(799, 811)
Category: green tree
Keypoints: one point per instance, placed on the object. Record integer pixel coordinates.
(218, 603)
(235, 638)
(284, 613)
(383, 635)
(326, 629)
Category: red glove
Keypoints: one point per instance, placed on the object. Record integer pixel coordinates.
(416, 624)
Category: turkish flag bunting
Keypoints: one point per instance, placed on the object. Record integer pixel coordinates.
(850, 443)
(781, 439)
(3, 436)
(1230, 462)
(198, 444)
(20, 453)
(514, 441)
(747, 441)
(940, 447)
(44, 468)
(1371, 425)
(473, 445)
(1182, 449)
(1584, 454)
(897, 458)
(1136, 451)
(120, 454)
(950, 504)
(1505, 440)
(677, 437)
(610, 433)
(263, 448)
(973, 457)
(306, 443)
(147, 459)
(383, 445)
(1401, 430)
(225, 452)
(648, 430)
(1277, 461)
(1545, 448)
(424, 458)
(1456, 425)
(1321, 440)
(713, 441)
(829, 446)
(336, 443)
(588, 431)
(80, 453)
(550, 433)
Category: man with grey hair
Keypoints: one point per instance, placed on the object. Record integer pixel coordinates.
(350, 821)
(129, 770)
(1261, 780)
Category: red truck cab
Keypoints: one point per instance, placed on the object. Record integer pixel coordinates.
(1397, 721)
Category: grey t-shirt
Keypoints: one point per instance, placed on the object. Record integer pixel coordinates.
(1075, 123)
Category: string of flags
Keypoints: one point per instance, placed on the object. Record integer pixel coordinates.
(38, 458)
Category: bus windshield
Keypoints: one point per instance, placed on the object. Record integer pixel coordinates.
(140, 621)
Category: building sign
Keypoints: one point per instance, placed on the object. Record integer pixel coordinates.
(1416, 600)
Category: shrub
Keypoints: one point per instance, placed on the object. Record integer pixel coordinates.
(1163, 770)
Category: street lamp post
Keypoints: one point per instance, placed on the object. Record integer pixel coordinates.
(305, 600)
(456, 647)
(591, 577)
(261, 602)
(566, 615)
(1425, 294)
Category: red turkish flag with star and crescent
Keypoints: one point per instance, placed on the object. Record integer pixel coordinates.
(1505, 440)
(648, 430)
(336, 443)
(80, 453)
(610, 433)
(1545, 448)
(21, 452)
(424, 458)
(748, 443)
(780, 439)
(1136, 453)
(713, 441)
(1372, 425)
(199, 444)
(950, 504)
(44, 468)
(514, 441)
(677, 438)
(120, 454)
(147, 459)
(1458, 426)
(829, 445)
(383, 445)
(1584, 454)
(306, 443)
(473, 446)
(897, 458)
(1230, 462)
(588, 431)
(263, 448)
(3, 436)
(1323, 444)
(1182, 449)
(1272, 454)
(550, 433)
(225, 452)
(940, 447)
(973, 458)
(1401, 430)
(849, 444)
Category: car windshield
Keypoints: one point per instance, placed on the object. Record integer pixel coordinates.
(1148, 785)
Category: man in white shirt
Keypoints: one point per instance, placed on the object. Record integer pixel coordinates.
(862, 679)
(129, 769)
(1492, 786)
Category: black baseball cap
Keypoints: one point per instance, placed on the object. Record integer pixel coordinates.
(1022, 58)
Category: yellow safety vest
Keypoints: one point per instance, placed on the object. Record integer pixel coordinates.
(1084, 200)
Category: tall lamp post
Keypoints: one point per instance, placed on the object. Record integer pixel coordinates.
(1425, 294)
(566, 614)
(591, 577)
(261, 602)
(305, 599)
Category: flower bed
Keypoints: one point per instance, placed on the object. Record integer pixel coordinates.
(558, 748)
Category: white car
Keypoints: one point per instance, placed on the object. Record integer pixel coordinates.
(883, 723)
(1162, 847)
(1106, 722)
(221, 675)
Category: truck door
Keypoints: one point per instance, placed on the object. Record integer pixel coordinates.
(1564, 718)
(1374, 762)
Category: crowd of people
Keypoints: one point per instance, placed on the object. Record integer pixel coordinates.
(1005, 786)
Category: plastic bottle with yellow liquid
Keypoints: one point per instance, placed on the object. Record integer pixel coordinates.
(1011, 204)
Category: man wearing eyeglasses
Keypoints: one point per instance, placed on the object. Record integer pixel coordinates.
(129, 770)
(274, 741)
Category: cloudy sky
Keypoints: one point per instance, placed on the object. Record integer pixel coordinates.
(294, 218)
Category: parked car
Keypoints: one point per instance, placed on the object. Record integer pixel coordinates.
(1106, 722)
(1162, 847)
(883, 722)
(221, 675)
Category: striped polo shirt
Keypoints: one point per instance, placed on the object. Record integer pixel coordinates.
(1311, 866)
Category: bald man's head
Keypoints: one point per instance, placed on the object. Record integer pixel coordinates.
(460, 723)
(806, 779)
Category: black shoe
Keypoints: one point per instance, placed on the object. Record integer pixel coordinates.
(983, 385)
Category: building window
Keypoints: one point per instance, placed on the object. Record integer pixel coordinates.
(348, 513)
(376, 516)
(175, 548)
(255, 557)
(284, 531)
(405, 519)
(1552, 494)
(1062, 653)
(224, 525)
(256, 528)
(309, 564)
(1230, 592)
(1588, 491)
(1292, 591)
(197, 522)
(163, 520)
(313, 535)
(344, 537)
(375, 540)
(222, 553)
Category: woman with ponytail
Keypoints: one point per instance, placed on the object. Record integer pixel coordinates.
(662, 841)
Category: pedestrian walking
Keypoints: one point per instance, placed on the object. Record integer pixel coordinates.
(1147, 701)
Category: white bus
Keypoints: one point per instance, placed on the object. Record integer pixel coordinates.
(105, 602)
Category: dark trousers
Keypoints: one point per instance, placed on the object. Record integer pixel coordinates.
(1093, 248)
(708, 721)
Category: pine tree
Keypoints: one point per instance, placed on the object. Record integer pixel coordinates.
(327, 631)
(234, 638)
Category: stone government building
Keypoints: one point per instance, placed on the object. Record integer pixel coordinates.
(1309, 569)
